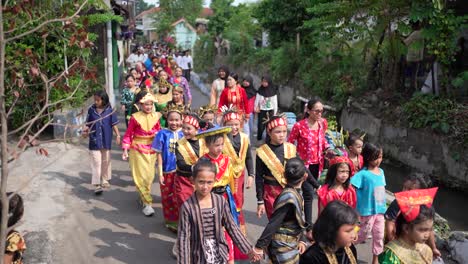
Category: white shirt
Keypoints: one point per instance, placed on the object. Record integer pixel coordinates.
(134, 58)
(184, 62)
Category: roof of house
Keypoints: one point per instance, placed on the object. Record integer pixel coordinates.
(186, 24)
(205, 12)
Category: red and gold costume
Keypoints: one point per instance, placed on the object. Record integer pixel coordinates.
(237, 147)
(188, 151)
(270, 180)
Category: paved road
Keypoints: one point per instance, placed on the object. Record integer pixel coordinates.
(65, 222)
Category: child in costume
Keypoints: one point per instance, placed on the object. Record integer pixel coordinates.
(208, 114)
(334, 234)
(283, 237)
(214, 140)
(269, 180)
(100, 123)
(204, 218)
(188, 150)
(14, 244)
(177, 96)
(337, 186)
(142, 128)
(413, 228)
(354, 145)
(411, 182)
(237, 147)
(128, 96)
(163, 96)
(371, 198)
(164, 144)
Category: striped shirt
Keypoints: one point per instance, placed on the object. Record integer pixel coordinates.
(191, 234)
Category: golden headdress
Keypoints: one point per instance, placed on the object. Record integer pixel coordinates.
(164, 83)
(178, 88)
(174, 108)
(148, 97)
(207, 109)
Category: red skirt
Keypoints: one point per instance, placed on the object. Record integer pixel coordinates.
(239, 199)
(270, 192)
(183, 190)
(169, 206)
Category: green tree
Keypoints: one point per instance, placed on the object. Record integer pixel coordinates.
(173, 10)
(283, 19)
(222, 13)
(37, 40)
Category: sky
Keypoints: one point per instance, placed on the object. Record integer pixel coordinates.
(207, 2)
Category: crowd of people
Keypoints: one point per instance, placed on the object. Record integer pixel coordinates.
(204, 160)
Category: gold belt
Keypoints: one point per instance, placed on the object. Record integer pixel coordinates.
(286, 238)
(143, 140)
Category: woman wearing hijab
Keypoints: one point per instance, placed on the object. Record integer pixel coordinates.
(218, 85)
(251, 92)
(266, 103)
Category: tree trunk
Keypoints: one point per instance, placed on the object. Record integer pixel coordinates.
(3, 139)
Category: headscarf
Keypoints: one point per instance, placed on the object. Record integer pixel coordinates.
(268, 91)
(250, 90)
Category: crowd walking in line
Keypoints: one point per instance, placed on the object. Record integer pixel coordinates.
(204, 161)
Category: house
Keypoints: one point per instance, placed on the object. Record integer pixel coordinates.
(184, 33)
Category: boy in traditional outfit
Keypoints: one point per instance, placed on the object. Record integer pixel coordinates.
(204, 218)
(284, 237)
(237, 147)
(188, 150)
(269, 180)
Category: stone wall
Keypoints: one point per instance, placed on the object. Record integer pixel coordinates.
(420, 149)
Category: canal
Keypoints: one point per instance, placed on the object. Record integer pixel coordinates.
(450, 204)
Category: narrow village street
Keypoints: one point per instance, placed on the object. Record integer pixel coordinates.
(65, 222)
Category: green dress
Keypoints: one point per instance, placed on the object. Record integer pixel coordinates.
(162, 99)
(398, 252)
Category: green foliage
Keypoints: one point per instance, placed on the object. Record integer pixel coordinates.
(461, 81)
(222, 13)
(282, 19)
(425, 110)
(100, 18)
(42, 55)
(177, 9)
(204, 54)
(241, 31)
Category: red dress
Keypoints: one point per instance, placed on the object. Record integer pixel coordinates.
(237, 98)
(326, 195)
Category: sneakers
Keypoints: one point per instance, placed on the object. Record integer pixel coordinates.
(148, 210)
(175, 252)
(98, 190)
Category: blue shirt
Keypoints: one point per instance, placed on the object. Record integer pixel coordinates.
(165, 142)
(370, 191)
(100, 132)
